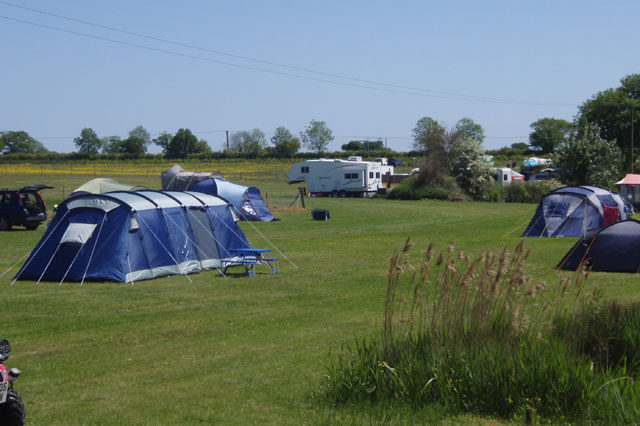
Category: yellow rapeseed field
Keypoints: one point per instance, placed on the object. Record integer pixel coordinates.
(235, 168)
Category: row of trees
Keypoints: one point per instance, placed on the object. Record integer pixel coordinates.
(315, 137)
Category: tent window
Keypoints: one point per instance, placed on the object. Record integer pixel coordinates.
(78, 233)
(559, 209)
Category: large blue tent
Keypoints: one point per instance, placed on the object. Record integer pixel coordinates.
(615, 248)
(246, 200)
(128, 236)
(575, 211)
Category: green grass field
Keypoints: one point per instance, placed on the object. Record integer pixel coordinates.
(238, 349)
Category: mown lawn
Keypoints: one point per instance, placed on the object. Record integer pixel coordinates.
(238, 349)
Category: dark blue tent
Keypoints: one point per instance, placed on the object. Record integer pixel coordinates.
(575, 211)
(129, 236)
(615, 248)
(246, 200)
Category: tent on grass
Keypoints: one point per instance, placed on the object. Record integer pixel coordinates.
(176, 178)
(130, 236)
(576, 211)
(103, 185)
(629, 188)
(246, 200)
(615, 248)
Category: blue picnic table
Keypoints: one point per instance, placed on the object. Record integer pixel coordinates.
(250, 257)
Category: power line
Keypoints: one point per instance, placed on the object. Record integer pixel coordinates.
(406, 89)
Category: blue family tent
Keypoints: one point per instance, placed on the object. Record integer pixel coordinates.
(246, 200)
(576, 211)
(129, 236)
(615, 248)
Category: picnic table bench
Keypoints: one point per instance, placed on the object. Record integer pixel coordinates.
(250, 257)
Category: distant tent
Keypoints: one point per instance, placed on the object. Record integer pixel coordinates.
(245, 199)
(130, 236)
(177, 179)
(103, 185)
(575, 211)
(615, 248)
(629, 188)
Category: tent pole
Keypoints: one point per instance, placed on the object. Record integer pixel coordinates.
(41, 245)
(190, 239)
(48, 263)
(71, 264)
(208, 232)
(129, 263)
(165, 249)
(95, 243)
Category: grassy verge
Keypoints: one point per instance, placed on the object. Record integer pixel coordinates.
(478, 336)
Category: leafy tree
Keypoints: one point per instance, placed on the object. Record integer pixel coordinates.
(202, 147)
(285, 144)
(469, 169)
(135, 144)
(250, 143)
(549, 133)
(520, 147)
(429, 136)
(181, 144)
(587, 159)
(88, 142)
(14, 142)
(363, 146)
(163, 140)
(316, 136)
(466, 128)
(352, 146)
(110, 144)
(612, 110)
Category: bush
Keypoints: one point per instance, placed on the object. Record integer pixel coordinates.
(495, 193)
(529, 192)
(410, 189)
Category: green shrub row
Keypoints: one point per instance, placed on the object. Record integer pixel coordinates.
(517, 192)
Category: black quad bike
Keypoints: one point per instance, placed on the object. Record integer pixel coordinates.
(11, 406)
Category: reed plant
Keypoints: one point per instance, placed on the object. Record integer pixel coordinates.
(476, 335)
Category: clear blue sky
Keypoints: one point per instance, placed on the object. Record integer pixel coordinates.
(553, 52)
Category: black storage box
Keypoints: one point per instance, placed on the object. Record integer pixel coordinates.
(320, 214)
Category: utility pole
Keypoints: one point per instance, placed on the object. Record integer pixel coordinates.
(227, 132)
(631, 138)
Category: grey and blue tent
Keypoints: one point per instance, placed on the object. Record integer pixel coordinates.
(246, 200)
(576, 211)
(128, 236)
(615, 248)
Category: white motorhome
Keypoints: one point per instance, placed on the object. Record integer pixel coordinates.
(340, 178)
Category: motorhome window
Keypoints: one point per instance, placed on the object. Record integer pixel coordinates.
(505, 177)
(370, 175)
(351, 175)
(377, 175)
(304, 169)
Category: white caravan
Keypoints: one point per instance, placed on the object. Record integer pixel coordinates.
(340, 178)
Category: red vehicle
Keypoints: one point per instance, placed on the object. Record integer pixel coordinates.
(11, 406)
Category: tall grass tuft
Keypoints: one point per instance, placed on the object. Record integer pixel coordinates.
(476, 335)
